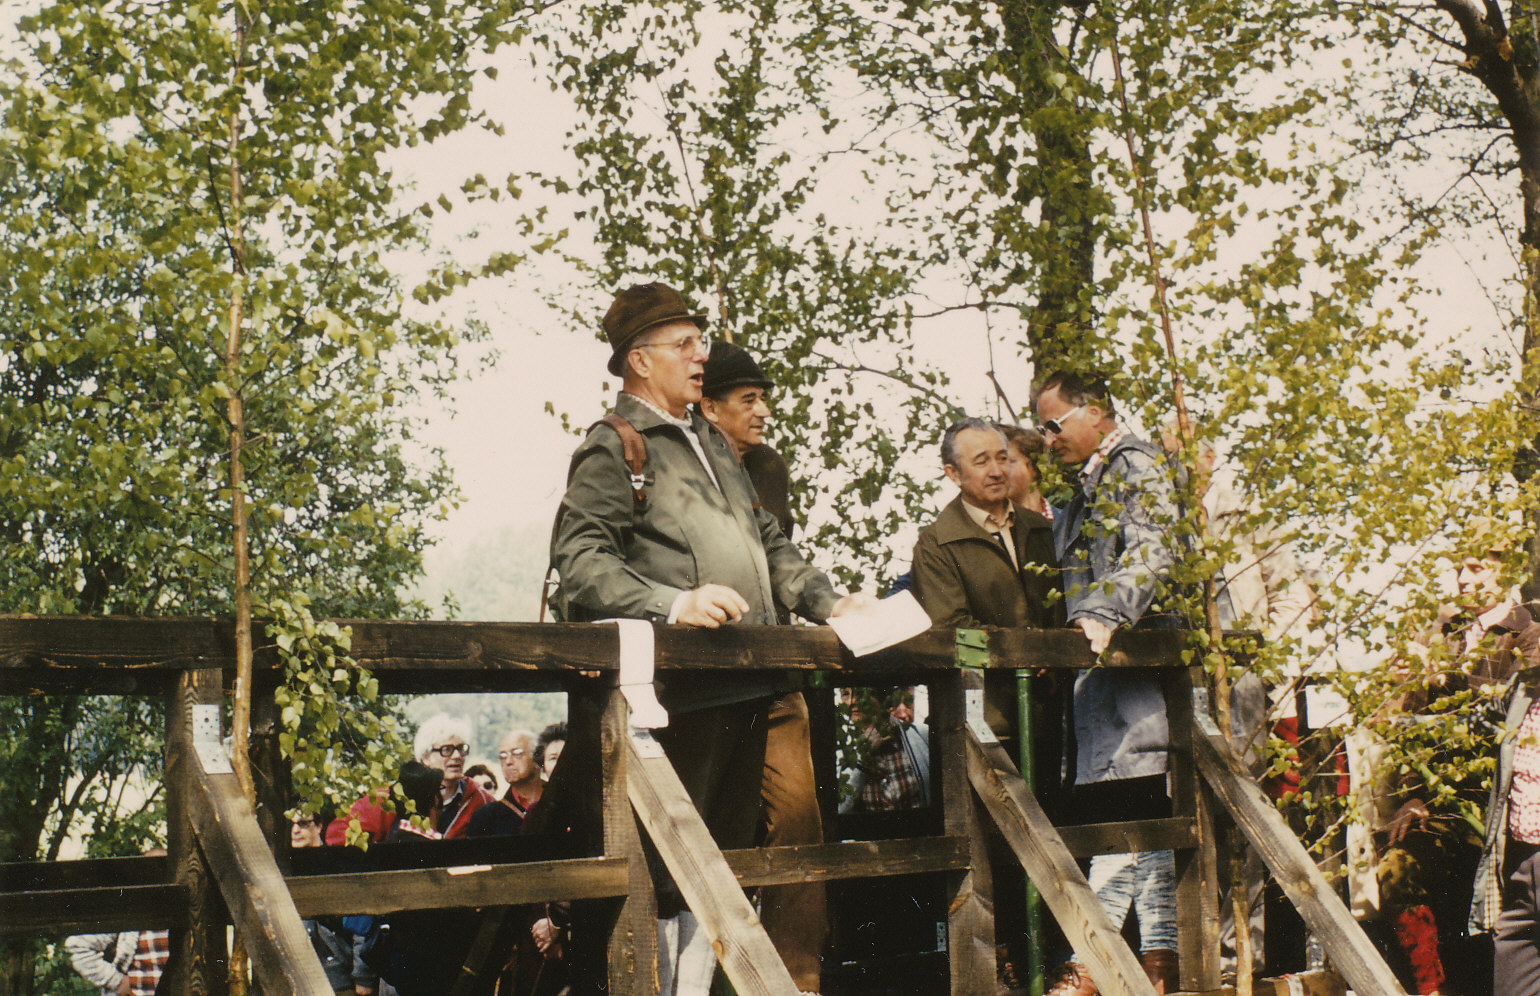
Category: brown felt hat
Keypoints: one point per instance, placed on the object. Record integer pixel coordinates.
(639, 308)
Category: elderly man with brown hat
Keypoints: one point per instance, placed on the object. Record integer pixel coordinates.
(678, 537)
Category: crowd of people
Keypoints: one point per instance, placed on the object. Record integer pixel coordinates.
(677, 511)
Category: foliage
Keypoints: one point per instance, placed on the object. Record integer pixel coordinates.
(123, 125)
(864, 189)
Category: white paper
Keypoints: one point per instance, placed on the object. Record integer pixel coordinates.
(892, 620)
(636, 667)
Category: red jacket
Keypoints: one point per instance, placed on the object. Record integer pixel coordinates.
(377, 821)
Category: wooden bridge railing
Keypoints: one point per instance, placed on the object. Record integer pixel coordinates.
(230, 863)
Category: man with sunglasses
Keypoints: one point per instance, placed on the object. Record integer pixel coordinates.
(1116, 543)
(678, 537)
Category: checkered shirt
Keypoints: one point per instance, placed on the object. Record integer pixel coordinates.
(149, 962)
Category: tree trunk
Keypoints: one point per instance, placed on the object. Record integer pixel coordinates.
(1506, 65)
(1069, 201)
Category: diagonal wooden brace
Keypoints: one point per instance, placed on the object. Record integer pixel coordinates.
(1351, 952)
(1049, 864)
(282, 957)
(703, 876)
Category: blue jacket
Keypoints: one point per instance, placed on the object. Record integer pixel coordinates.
(1116, 542)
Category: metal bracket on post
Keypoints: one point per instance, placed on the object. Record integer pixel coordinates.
(973, 655)
(207, 742)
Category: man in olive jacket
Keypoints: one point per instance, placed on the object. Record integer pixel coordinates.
(692, 548)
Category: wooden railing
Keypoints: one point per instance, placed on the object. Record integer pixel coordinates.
(229, 862)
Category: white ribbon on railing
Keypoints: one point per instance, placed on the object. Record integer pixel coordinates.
(637, 657)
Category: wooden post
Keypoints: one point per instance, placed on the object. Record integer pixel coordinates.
(633, 947)
(1197, 869)
(1292, 867)
(703, 877)
(198, 962)
(270, 773)
(971, 914)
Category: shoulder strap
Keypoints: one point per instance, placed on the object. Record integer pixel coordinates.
(632, 446)
(634, 450)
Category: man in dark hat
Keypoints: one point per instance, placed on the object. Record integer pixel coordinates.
(736, 399)
(682, 542)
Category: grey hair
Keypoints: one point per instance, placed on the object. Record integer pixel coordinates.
(949, 438)
(439, 727)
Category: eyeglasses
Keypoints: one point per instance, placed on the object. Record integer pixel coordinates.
(689, 345)
(450, 750)
(504, 755)
(1056, 425)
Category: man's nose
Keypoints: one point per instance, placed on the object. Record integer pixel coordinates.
(761, 409)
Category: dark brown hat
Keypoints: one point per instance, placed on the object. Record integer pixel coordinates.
(639, 308)
(731, 366)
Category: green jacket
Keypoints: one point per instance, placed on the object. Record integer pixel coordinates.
(621, 558)
(963, 577)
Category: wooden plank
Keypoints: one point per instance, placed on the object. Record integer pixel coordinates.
(1316, 983)
(703, 878)
(199, 963)
(971, 911)
(254, 891)
(450, 888)
(1049, 864)
(123, 655)
(1091, 839)
(93, 910)
(1197, 870)
(633, 936)
(1326, 916)
(85, 873)
(847, 859)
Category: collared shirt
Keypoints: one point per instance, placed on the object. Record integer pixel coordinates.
(1524, 794)
(688, 428)
(1098, 458)
(1491, 617)
(1000, 529)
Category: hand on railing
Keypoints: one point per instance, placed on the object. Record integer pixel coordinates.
(1097, 632)
(709, 606)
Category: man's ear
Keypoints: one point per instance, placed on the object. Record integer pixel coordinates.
(708, 408)
(953, 475)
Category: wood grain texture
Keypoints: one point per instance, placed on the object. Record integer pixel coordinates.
(633, 926)
(707, 884)
(1197, 869)
(971, 910)
(199, 963)
(121, 655)
(254, 891)
(449, 888)
(93, 910)
(1091, 839)
(1049, 864)
(1350, 951)
(847, 859)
